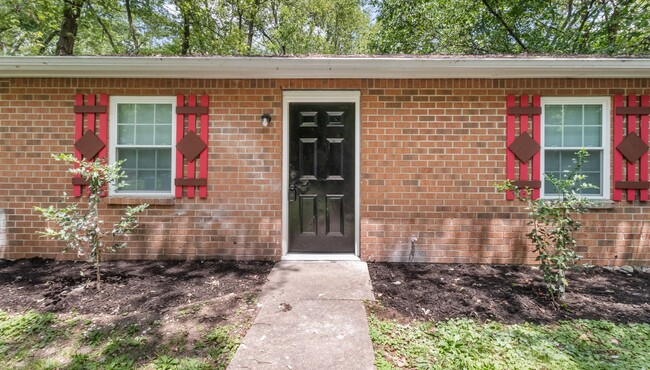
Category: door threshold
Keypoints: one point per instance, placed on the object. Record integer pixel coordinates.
(320, 257)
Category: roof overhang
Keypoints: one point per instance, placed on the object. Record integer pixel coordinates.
(326, 67)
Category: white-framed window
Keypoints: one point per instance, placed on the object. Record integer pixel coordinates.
(142, 132)
(568, 125)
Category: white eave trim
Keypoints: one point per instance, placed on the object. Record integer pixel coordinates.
(325, 67)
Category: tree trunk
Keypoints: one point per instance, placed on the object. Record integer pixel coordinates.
(69, 26)
(185, 47)
(97, 262)
(129, 17)
(251, 25)
(251, 32)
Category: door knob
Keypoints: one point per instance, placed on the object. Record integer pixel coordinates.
(293, 193)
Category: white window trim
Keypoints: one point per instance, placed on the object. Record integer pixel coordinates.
(114, 101)
(606, 102)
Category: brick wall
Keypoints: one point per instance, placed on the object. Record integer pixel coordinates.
(431, 151)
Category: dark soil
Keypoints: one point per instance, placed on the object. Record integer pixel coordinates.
(508, 294)
(128, 286)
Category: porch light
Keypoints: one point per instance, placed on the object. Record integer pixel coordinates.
(265, 119)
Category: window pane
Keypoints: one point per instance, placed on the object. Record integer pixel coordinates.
(573, 114)
(593, 115)
(144, 134)
(164, 181)
(146, 179)
(593, 178)
(147, 169)
(125, 134)
(126, 113)
(129, 156)
(549, 189)
(573, 136)
(164, 113)
(145, 113)
(553, 136)
(566, 161)
(593, 136)
(553, 115)
(146, 159)
(593, 161)
(130, 180)
(559, 163)
(163, 159)
(552, 161)
(163, 135)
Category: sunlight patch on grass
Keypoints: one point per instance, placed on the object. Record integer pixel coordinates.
(34, 340)
(466, 344)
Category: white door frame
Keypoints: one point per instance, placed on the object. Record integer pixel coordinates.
(320, 96)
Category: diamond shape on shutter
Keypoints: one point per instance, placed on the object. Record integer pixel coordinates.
(191, 146)
(632, 147)
(89, 145)
(524, 147)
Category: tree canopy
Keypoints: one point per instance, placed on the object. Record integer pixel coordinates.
(513, 26)
(285, 27)
(183, 27)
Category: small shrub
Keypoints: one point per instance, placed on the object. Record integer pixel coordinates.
(81, 230)
(553, 224)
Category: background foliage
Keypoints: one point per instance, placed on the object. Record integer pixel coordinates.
(286, 27)
(513, 26)
(182, 27)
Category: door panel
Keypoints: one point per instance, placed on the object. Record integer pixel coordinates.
(308, 214)
(335, 154)
(308, 157)
(335, 215)
(321, 177)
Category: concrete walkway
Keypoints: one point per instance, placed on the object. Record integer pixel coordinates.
(312, 317)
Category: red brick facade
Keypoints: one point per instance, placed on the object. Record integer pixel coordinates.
(431, 151)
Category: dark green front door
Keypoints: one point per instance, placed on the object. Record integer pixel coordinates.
(321, 177)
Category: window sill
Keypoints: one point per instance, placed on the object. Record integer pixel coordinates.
(136, 200)
(602, 204)
(595, 203)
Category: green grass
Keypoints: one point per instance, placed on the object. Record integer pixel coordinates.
(49, 341)
(22, 334)
(466, 344)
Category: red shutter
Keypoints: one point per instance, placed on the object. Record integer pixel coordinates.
(190, 146)
(631, 147)
(522, 150)
(91, 140)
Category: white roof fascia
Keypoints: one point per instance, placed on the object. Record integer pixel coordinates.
(325, 67)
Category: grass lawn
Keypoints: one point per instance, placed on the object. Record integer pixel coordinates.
(467, 344)
(35, 340)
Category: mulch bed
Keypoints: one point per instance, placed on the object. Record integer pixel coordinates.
(508, 294)
(127, 287)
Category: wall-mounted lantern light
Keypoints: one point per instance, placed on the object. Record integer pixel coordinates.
(265, 119)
